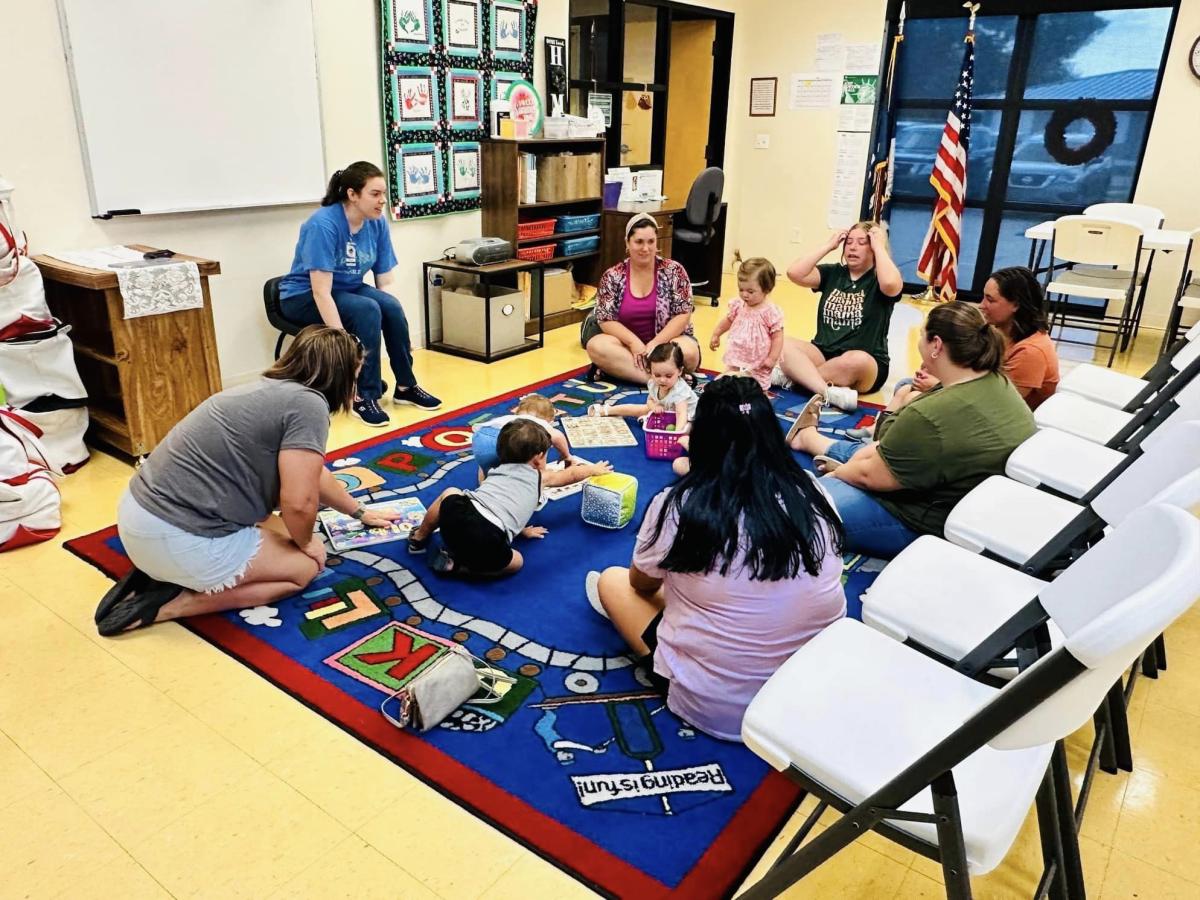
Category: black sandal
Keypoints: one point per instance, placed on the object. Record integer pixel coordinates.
(137, 610)
(134, 582)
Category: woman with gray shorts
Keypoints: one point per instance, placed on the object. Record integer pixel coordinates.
(197, 521)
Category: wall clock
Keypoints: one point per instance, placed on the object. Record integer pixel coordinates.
(1194, 58)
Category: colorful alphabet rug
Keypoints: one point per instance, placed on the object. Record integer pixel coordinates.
(580, 760)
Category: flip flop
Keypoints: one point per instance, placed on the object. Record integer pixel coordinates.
(825, 464)
(819, 401)
(133, 582)
(138, 610)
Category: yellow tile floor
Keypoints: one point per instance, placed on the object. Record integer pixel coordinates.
(156, 766)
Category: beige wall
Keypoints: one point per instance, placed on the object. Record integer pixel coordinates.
(40, 154)
(787, 186)
(1170, 177)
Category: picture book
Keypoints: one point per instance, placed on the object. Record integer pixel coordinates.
(347, 533)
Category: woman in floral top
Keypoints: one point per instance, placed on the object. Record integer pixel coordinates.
(642, 303)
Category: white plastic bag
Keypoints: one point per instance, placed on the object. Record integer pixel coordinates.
(40, 364)
(22, 295)
(62, 436)
(30, 505)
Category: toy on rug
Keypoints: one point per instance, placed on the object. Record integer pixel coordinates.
(609, 500)
(586, 431)
(348, 533)
(663, 440)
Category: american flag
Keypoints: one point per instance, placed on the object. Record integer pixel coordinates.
(938, 264)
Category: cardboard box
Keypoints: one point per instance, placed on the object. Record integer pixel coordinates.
(558, 293)
(568, 176)
(463, 323)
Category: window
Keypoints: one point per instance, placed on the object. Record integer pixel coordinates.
(1030, 62)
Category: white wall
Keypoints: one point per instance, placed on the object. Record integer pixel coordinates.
(40, 154)
(1170, 176)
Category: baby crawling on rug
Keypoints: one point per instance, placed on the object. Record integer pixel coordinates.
(479, 526)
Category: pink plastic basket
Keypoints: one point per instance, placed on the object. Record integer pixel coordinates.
(660, 443)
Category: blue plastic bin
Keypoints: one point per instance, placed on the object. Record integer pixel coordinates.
(573, 246)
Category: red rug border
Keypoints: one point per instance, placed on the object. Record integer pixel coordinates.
(722, 866)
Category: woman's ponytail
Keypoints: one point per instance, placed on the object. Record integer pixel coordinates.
(969, 340)
(352, 178)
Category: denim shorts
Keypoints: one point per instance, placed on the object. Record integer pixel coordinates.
(483, 446)
(170, 554)
(843, 450)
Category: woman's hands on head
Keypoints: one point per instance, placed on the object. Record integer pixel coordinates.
(837, 238)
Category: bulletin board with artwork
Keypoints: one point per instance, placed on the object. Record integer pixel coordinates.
(444, 62)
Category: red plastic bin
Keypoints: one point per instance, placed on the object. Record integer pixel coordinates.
(535, 229)
(660, 443)
(536, 253)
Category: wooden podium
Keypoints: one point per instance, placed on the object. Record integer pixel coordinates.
(144, 374)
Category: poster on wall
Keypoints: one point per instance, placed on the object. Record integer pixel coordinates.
(444, 62)
(602, 102)
(556, 76)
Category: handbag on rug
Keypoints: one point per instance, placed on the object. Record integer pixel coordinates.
(442, 687)
(588, 328)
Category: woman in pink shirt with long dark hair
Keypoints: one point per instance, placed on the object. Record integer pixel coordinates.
(641, 303)
(736, 566)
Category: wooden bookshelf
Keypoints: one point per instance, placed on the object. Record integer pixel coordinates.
(503, 210)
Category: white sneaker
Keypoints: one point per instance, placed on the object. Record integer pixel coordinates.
(591, 587)
(778, 379)
(843, 398)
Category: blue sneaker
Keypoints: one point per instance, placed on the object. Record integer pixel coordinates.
(416, 396)
(371, 413)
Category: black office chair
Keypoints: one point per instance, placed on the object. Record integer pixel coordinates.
(699, 215)
(275, 314)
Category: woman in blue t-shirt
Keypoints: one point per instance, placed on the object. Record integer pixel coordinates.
(342, 241)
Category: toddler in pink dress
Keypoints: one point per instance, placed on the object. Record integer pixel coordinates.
(754, 323)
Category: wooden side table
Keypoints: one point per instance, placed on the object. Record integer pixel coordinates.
(144, 374)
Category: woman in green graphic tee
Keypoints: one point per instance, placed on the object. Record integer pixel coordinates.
(849, 353)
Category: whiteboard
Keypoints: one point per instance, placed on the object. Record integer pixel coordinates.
(188, 106)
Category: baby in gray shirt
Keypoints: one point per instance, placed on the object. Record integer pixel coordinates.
(479, 526)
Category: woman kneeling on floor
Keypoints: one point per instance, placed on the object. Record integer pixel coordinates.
(931, 453)
(197, 519)
(736, 566)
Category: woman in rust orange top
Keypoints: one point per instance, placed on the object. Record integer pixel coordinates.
(1014, 304)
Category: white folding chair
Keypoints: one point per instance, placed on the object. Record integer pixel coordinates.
(941, 763)
(1115, 428)
(1090, 250)
(1147, 218)
(1128, 392)
(1035, 530)
(1187, 295)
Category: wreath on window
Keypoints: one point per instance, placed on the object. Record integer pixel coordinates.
(1104, 126)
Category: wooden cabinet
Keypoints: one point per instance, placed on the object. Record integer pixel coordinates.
(612, 241)
(143, 374)
(503, 210)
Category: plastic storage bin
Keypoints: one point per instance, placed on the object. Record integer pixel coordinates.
(575, 246)
(609, 500)
(537, 252)
(661, 443)
(535, 229)
(567, 224)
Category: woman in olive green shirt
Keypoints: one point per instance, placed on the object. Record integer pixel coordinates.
(934, 450)
(849, 352)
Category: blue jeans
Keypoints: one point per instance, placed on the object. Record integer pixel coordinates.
(367, 312)
(870, 529)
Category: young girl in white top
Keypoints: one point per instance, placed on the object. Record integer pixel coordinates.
(666, 390)
(754, 323)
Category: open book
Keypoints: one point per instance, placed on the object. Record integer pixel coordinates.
(347, 533)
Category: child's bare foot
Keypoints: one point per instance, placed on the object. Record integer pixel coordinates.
(809, 417)
(825, 464)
